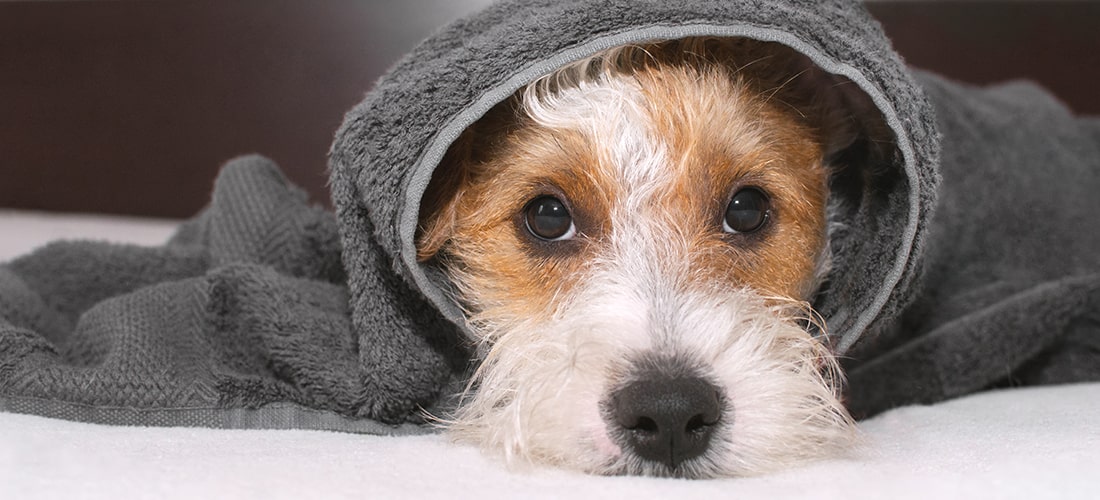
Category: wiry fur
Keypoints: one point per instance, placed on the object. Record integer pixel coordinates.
(648, 279)
(543, 392)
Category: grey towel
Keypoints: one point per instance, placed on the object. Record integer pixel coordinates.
(241, 320)
(266, 312)
(1011, 286)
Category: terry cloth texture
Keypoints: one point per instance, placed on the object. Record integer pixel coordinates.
(240, 320)
(1011, 286)
(248, 310)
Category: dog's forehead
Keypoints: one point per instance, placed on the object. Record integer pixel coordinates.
(672, 132)
(651, 161)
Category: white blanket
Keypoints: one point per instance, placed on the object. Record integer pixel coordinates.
(1022, 443)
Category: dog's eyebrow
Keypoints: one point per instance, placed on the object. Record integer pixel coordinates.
(571, 154)
(561, 147)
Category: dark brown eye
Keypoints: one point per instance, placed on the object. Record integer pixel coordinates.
(548, 219)
(747, 211)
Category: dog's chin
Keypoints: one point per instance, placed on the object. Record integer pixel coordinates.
(552, 392)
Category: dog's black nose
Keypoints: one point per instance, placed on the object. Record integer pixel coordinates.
(667, 419)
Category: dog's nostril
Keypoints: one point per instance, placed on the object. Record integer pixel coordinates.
(667, 419)
(643, 424)
(698, 423)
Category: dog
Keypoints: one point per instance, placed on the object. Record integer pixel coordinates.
(635, 240)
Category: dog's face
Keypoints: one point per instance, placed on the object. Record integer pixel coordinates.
(634, 243)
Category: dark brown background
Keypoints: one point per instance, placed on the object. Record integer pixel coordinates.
(131, 107)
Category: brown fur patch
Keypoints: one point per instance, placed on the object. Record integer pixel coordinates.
(730, 117)
(726, 137)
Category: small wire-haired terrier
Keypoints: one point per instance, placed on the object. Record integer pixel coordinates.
(635, 240)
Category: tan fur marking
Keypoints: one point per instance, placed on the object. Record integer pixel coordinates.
(727, 123)
(725, 139)
(646, 145)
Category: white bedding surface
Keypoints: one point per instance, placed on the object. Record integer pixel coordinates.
(1021, 443)
(22, 231)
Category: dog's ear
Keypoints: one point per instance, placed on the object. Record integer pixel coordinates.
(842, 115)
(850, 128)
(831, 104)
(463, 165)
(438, 207)
(847, 119)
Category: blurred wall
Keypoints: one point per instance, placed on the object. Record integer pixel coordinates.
(131, 107)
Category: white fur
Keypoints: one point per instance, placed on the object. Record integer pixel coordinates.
(537, 395)
(611, 111)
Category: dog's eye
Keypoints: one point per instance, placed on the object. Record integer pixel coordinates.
(747, 211)
(548, 218)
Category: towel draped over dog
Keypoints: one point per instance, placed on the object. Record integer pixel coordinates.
(968, 259)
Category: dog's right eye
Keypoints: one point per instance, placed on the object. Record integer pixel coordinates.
(548, 219)
(747, 211)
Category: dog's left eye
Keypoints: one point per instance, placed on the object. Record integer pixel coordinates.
(548, 219)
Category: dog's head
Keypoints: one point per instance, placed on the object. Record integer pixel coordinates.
(635, 239)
